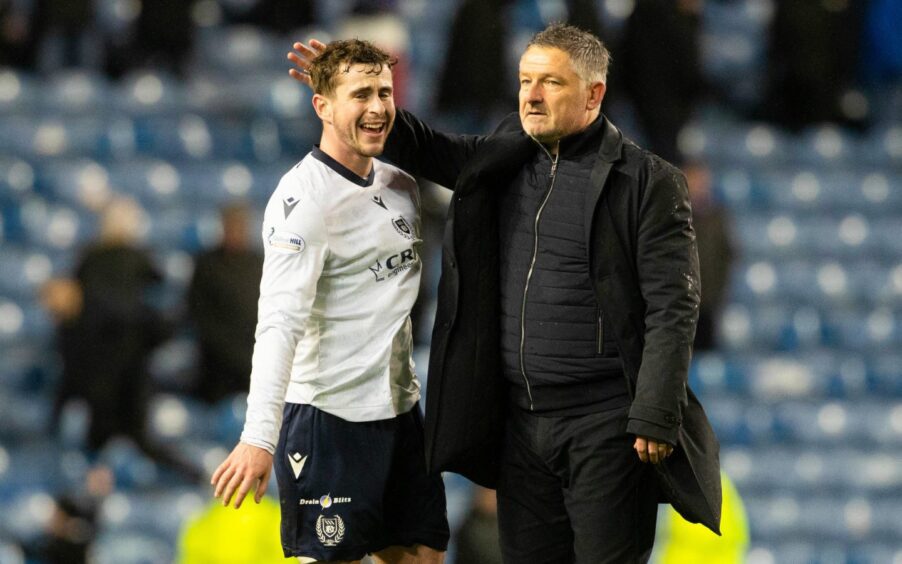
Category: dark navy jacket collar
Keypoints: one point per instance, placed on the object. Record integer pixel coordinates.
(341, 169)
(584, 141)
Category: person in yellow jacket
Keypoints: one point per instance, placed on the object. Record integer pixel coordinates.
(223, 536)
(681, 542)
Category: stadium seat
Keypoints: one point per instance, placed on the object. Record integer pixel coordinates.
(17, 92)
(131, 547)
(173, 417)
(157, 512)
(75, 92)
(17, 179)
(148, 92)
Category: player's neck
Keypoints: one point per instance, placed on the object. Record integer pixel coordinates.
(346, 156)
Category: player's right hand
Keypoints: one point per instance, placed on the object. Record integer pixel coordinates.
(246, 468)
(301, 57)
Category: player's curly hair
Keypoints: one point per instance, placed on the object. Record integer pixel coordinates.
(339, 56)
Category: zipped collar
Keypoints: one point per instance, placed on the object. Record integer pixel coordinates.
(581, 142)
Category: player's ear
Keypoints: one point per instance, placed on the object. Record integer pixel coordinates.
(596, 95)
(322, 105)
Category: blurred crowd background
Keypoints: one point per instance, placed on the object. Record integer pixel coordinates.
(140, 140)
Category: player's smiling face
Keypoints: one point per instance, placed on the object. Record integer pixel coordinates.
(358, 115)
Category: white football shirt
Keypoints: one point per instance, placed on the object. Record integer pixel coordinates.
(341, 271)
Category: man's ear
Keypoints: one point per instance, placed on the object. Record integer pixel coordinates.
(323, 107)
(596, 95)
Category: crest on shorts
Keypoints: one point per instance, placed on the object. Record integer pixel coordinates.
(330, 530)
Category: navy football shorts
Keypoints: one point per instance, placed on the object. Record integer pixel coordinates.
(349, 489)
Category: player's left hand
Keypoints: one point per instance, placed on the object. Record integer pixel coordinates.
(301, 57)
(651, 450)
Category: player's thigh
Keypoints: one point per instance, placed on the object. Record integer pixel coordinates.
(417, 554)
(415, 511)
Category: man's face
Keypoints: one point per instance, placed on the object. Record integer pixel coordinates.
(554, 100)
(361, 110)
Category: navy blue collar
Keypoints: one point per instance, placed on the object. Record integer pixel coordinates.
(341, 169)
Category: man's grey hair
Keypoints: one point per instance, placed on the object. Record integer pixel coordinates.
(589, 55)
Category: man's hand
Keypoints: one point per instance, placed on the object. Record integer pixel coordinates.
(301, 57)
(246, 467)
(653, 451)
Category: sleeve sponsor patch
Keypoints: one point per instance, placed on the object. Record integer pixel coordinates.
(285, 241)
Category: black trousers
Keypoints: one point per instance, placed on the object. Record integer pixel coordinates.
(573, 490)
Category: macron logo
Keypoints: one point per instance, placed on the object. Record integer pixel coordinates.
(297, 463)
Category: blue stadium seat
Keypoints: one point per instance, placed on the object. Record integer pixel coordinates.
(132, 547)
(11, 552)
(17, 179)
(75, 92)
(25, 514)
(174, 417)
(826, 145)
(157, 512)
(131, 467)
(24, 415)
(230, 414)
(80, 183)
(17, 92)
(55, 227)
(238, 49)
(155, 183)
(885, 373)
(184, 229)
(149, 93)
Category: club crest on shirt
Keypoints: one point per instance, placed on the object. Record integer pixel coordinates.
(330, 530)
(285, 241)
(402, 227)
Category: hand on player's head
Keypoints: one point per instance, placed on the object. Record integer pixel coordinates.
(301, 57)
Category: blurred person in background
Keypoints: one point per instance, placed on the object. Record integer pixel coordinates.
(812, 65)
(161, 37)
(63, 33)
(659, 65)
(105, 347)
(72, 526)
(566, 314)
(475, 63)
(280, 16)
(106, 331)
(222, 302)
(334, 400)
(15, 43)
(712, 225)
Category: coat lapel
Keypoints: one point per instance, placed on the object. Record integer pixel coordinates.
(608, 153)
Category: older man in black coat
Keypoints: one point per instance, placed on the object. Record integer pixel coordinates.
(566, 313)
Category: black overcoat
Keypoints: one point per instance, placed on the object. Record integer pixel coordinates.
(644, 269)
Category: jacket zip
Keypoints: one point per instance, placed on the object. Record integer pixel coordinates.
(532, 264)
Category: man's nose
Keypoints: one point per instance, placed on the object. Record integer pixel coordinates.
(534, 93)
(376, 106)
